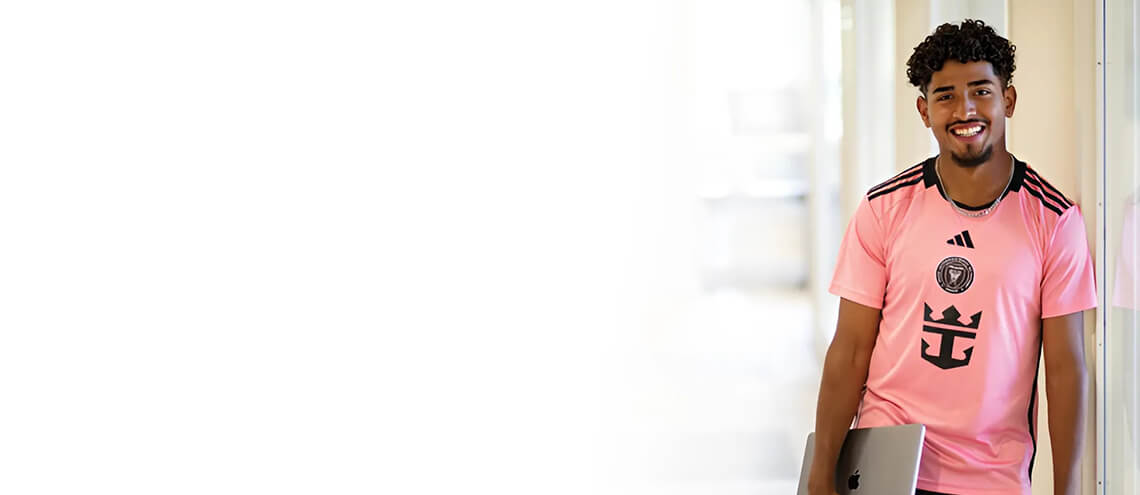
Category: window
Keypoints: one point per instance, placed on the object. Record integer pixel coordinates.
(1121, 252)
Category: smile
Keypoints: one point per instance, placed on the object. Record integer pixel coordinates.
(967, 131)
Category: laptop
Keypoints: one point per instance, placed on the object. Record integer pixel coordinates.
(873, 461)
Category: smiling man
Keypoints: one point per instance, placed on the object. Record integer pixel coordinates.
(955, 278)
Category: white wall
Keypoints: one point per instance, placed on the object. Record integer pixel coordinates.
(328, 247)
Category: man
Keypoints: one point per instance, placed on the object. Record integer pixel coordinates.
(953, 276)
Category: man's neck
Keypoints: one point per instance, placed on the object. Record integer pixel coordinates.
(979, 185)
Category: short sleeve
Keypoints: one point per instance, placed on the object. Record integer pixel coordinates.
(861, 270)
(1069, 283)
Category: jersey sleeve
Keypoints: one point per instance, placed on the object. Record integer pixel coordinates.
(861, 270)
(1069, 283)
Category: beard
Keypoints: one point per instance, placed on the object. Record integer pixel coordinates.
(974, 159)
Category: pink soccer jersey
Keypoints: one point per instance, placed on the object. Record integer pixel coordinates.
(962, 301)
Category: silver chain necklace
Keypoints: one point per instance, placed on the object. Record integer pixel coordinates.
(968, 213)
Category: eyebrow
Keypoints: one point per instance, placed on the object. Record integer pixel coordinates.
(979, 82)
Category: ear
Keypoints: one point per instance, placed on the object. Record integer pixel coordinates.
(921, 105)
(1010, 97)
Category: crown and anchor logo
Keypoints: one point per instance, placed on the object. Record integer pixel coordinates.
(951, 327)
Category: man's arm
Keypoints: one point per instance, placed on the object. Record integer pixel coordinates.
(1066, 386)
(844, 374)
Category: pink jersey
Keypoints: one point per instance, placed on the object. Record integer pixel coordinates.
(962, 301)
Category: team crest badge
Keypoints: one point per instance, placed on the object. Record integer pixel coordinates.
(955, 275)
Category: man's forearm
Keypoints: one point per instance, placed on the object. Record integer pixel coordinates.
(1066, 390)
(844, 374)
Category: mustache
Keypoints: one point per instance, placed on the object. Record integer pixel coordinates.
(971, 121)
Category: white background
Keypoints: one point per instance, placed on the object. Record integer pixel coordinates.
(327, 247)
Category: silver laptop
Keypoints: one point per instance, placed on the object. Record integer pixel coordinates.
(873, 461)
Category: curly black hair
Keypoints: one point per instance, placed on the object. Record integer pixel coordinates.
(971, 41)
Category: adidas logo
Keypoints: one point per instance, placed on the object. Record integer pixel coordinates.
(962, 239)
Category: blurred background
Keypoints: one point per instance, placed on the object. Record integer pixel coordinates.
(494, 247)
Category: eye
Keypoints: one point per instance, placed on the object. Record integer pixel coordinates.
(944, 97)
(984, 92)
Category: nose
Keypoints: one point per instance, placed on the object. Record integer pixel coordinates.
(966, 109)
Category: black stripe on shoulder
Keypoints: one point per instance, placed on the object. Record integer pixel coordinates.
(1060, 201)
(905, 174)
(900, 185)
(1029, 189)
(1047, 187)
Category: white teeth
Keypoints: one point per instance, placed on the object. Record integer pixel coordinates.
(968, 131)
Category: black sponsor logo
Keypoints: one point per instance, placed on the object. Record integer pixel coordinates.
(951, 328)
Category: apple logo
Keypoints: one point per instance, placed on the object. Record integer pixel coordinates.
(853, 481)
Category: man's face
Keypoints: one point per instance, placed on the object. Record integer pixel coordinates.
(965, 106)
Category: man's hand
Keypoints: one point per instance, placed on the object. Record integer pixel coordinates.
(821, 487)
